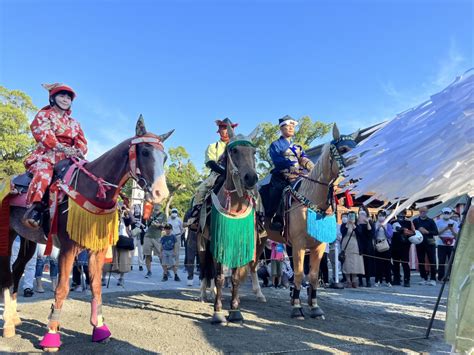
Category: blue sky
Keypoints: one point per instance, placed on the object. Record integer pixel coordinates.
(183, 64)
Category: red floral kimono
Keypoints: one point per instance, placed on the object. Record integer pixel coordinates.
(49, 129)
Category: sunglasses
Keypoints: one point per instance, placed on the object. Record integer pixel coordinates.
(446, 212)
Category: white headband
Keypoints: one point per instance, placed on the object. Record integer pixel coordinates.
(285, 122)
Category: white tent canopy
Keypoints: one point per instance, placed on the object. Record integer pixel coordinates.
(423, 152)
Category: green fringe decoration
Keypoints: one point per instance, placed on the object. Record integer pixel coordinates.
(232, 238)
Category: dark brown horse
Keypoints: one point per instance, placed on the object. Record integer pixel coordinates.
(116, 167)
(240, 181)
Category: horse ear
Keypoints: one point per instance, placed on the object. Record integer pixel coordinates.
(140, 129)
(165, 136)
(356, 135)
(230, 131)
(335, 132)
(253, 134)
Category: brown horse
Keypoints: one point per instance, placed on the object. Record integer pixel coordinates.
(316, 189)
(240, 181)
(116, 166)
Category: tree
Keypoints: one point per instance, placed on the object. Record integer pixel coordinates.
(306, 132)
(15, 138)
(182, 178)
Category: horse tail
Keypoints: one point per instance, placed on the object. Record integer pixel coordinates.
(208, 270)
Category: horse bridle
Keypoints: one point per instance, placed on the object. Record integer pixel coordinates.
(234, 170)
(134, 171)
(335, 156)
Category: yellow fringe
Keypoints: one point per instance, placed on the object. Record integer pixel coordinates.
(92, 231)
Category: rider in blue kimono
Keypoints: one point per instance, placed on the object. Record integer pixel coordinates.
(290, 162)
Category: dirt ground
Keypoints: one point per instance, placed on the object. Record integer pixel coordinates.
(383, 320)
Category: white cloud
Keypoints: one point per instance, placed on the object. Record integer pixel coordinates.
(102, 138)
(450, 66)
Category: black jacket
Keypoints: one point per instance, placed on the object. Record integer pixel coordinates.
(428, 224)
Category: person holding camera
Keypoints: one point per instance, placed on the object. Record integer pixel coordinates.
(352, 261)
(427, 248)
(402, 230)
(366, 232)
(151, 243)
(448, 232)
(138, 233)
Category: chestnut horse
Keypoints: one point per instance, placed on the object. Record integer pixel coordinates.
(146, 165)
(314, 188)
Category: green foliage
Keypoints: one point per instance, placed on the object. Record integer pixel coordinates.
(15, 139)
(306, 132)
(182, 178)
(127, 188)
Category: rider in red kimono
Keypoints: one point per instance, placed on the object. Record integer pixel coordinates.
(58, 137)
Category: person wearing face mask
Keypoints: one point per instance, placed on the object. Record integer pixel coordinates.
(58, 136)
(332, 249)
(178, 231)
(353, 264)
(365, 229)
(448, 232)
(402, 230)
(427, 248)
(383, 264)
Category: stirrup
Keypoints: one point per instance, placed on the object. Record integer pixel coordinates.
(33, 216)
(277, 224)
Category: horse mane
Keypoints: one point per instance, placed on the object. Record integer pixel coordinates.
(319, 172)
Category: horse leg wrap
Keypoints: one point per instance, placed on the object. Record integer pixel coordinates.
(55, 314)
(312, 297)
(295, 297)
(295, 294)
(52, 339)
(101, 332)
(97, 319)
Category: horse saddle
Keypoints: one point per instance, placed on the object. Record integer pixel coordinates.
(22, 182)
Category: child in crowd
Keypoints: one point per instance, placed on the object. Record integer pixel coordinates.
(167, 242)
(276, 260)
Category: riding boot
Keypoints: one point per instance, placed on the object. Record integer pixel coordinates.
(277, 222)
(33, 215)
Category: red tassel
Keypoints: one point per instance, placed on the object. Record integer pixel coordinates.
(348, 198)
(336, 200)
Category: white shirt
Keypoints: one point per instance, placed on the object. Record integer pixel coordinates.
(177, 224)
(441, 224)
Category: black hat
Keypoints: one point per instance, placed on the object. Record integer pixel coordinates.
(167, 226)
(226, 122)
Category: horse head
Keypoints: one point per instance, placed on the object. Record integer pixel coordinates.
(147, 161)
(240, 155)
(342, 144)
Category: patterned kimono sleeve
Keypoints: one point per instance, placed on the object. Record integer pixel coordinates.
(80, 141)
(42, 130)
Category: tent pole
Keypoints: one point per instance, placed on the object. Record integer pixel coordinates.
(448, 269)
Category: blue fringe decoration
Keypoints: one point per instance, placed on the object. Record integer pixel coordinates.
(321, 227)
